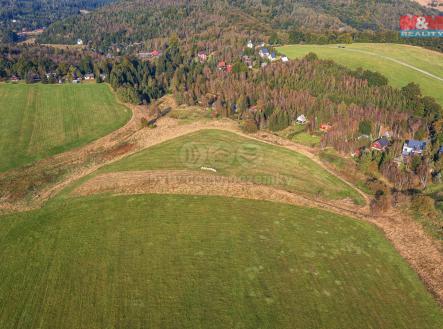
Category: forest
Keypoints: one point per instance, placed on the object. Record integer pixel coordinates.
(19, 15)
(130, 22)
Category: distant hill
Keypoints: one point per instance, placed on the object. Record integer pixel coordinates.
(33, 14)
(127, 22)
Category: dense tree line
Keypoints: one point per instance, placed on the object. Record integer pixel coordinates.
(24, 61)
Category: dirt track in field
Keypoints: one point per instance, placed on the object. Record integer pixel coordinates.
(28, 188)
(201, 183)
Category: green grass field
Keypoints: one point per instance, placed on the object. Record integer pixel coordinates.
(384, 59)
(155, 261)
(232, 155)
(39, 120)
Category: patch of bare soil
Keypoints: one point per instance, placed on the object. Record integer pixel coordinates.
(408, 237)
(196, 183)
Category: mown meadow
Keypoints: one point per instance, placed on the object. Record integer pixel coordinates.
(384, 58)
(170, 261)
(42, 120)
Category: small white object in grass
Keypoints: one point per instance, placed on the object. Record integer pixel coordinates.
(208, 169)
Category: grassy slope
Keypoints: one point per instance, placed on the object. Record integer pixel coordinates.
(354, 56)
(42, 120)
(181, 261)
(233, 155)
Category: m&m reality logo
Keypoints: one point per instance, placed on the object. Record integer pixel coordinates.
(421, 26)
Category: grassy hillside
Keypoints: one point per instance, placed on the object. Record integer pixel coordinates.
(42, 120)
(198, 262)
(236, 156)
(392, 60)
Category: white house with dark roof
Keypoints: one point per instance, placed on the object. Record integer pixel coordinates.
(413, 147)
(264, 53)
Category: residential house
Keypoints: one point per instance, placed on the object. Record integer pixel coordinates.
(202, 56)
(89, 76)
(301, 119)
(76, 81)
(272, 57)
(35, 78)
(248, 61)
(221, 65)
(380, 144)
(264, 53)
(149, 55)
(413, 147)
(155, 53)
(50, 75)
(14, 78)
(325, 127)
(143, 55)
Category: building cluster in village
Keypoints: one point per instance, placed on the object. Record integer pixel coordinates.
(262, 52)
(52, 76)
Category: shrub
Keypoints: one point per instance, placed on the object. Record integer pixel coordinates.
(424, 205)
(144, 122)
(128, 94)
(249, 126)
(382, 202)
